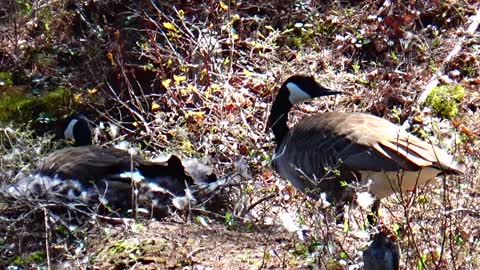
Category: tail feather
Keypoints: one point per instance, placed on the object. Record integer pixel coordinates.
(200, 172)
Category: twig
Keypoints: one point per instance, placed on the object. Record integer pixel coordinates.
(253, 205)
(47, 244)
(114, 220)
(470, 212)
(134, 190)
(456, 49)
(195, 252)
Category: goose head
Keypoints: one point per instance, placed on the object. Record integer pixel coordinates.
(302, 88)
(77, 128)
(296, 89)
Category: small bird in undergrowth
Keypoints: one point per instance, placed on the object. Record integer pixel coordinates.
(383, 253)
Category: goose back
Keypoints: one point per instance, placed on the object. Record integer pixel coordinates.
(91, 164)
(334, 146)
(87, 163)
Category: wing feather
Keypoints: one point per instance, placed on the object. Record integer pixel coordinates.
(88, 163)
(360, 141)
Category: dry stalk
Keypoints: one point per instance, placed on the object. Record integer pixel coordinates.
(47, 237)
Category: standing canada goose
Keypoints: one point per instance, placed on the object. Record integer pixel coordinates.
(326, 151)
(383, 253)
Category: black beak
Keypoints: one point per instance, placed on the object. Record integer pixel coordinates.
(328, 92)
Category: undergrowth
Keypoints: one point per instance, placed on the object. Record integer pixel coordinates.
(197, 78)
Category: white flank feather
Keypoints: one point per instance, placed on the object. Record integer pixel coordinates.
(365, 200)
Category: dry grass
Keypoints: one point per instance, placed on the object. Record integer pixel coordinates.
(197, 78)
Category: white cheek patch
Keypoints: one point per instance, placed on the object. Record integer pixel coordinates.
(297, 95)
(68, 133)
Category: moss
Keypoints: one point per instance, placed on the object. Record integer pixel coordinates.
(20, 106)
(128, 251)
(14, 105)
(58, 97)
(37, 257)
(47, 60)
(120, 247)
(6, 79)
(444, 100)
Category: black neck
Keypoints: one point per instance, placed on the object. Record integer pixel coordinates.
(279, 116)
(82, 133)
(83, 140)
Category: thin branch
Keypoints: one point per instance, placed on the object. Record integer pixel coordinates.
(47, 243)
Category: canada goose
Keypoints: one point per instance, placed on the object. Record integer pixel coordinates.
(326, 151)
(382, 254)
(104, 168)
(92, 174)
(91, 163)
(76, 128)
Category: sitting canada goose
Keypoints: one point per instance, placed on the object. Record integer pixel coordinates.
(91, 163)
(383, 253)
(326, 151)
(91, 174)
(76, 128)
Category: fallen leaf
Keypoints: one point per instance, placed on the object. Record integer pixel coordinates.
(456, 122)
(155, 106)
(195, 116)
(170, 26)
(77, 97)
(166, 83)
(269, 27)
(243, 149)
(247, 73)
(179, 79)
(203, 74)
(110, 57)
(465, 130)
(418, 118)
(186, 91)
(223, 6)
(92, 91)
